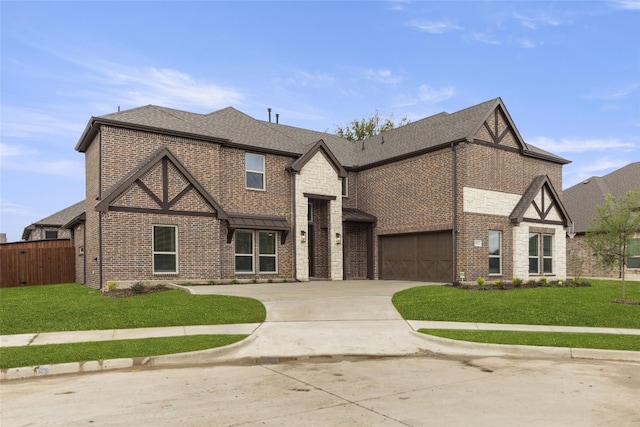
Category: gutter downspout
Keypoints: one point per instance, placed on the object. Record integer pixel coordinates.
(454, 231)
(100, 260)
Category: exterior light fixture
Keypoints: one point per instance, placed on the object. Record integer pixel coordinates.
(338, 238)
(303, 236)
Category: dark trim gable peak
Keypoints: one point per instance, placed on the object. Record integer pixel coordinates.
(548, 201)
(297, 165)
(164, 204)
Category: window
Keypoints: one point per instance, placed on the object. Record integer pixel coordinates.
(267, 252)
(634, 254)
(345, 187)
(534, 259)
(165, 249)
(244, 251)
(495, 252)
(547, 254)
(309, 212)
(539, 263)
(266, 249)
(254, 171)
(51, 234)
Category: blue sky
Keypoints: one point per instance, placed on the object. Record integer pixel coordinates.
(567, 71)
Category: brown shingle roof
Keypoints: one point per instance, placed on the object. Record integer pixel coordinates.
(57, 219)
(232, 127)
(582, 199)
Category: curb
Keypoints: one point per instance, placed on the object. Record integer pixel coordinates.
(222, 355)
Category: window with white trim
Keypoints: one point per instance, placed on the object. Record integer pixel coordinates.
(540, 253)
(495, 252)
(633, 261)
(254, 171)
(165, 249)
(244, 251)
(267, 253)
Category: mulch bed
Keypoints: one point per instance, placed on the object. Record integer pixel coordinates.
(128, 292)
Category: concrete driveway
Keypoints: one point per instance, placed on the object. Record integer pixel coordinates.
(319, 300)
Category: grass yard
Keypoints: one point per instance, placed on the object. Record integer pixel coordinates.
(585, 306)
(70, 307)
(73, 307)
(14, 357)
(546, 339)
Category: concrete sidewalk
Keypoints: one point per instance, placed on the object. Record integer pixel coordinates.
(19, 340)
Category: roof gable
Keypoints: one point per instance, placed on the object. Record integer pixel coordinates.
(320, 146)
(540, 203)
(161, 185)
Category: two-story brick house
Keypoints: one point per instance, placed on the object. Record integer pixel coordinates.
(178, 196)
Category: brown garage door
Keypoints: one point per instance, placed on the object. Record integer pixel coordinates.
(422, 257)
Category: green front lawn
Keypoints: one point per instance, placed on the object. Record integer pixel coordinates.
(584, 306)
(14, 357)
(73, 307)
(546, 339)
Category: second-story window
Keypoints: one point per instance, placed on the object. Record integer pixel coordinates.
(254, 171)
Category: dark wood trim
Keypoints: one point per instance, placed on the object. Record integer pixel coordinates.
(318, 196)
(497, 146)
(162, 211)
(180, 195)
(147, 190)
(542, 221)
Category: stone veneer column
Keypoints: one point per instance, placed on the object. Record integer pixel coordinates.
(319, 177)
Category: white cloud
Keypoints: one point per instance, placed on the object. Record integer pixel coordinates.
(526, 43)
(20, 122)
(611, 94)
(435, 27)
(430, 95)
(381, 76)
(20, 158)
(534, 22)
(486, 38)
(166, 87)
(600, 167)
(305, 79)
(580, 145)
(626, 4)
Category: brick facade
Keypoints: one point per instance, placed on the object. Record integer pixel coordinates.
(465, 188)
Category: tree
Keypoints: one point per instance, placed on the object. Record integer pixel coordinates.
(364, 128)
(610, 233)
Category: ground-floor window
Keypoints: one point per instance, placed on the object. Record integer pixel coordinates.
(267, 252)
(540, 253)
(634, 254)
(165, 249)
(495, 252)
(245, 250)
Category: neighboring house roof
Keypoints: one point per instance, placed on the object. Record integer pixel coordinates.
(582, 200)
(58, 219)
(233, 128)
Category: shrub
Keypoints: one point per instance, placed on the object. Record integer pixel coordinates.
(481, 281)
(235, 282)
(499, 284)
(517, 282)
(543, 281)
(138, 287)
(270, 281)
(112, 286)
(212, 282)
(531, 282)
(254, 280)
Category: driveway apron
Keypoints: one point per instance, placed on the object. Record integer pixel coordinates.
(321, 318)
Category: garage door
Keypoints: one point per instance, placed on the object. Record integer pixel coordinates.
(422, 257)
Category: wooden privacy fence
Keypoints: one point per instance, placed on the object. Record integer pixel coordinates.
(40, 262)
